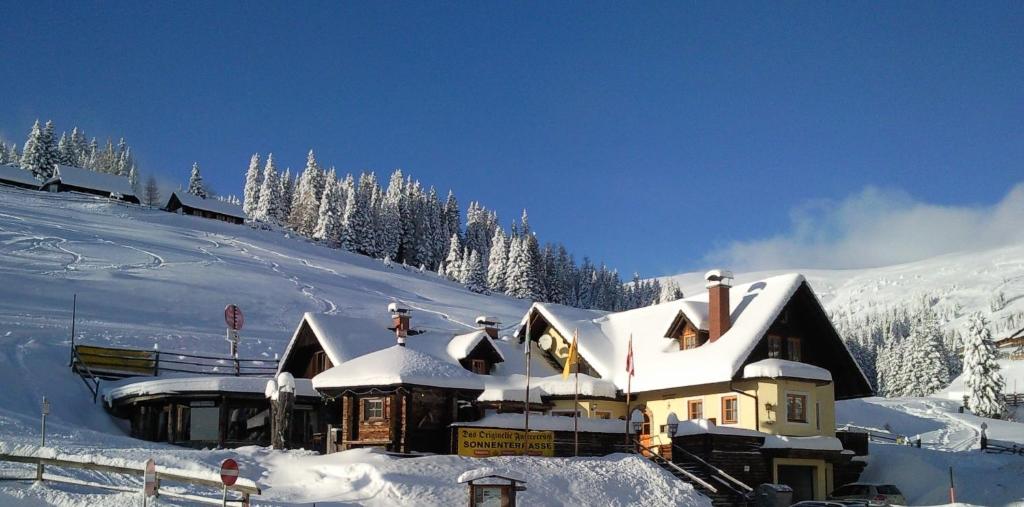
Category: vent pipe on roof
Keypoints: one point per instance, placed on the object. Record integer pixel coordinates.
(400, 320)
(719, 283)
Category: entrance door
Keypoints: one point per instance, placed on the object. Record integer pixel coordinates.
(645, 433)
(800, 478)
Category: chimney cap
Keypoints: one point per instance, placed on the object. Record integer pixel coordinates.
(717, 277)
(484, 320)
(399, 309)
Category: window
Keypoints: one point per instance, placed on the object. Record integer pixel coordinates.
(793, 348)
(479, 366)
(774, 346)
(689, 339)
(566, 413)
(373, 408)
(204, 424)
(730, 410)
(602, 414)
(695, 409)
(796, 407)
(320, 362)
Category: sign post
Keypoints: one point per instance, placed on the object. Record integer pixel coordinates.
(149, 488)
(234, 319)
(42, 433)
(228, 476)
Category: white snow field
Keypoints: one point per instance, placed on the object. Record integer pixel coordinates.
(146, 278)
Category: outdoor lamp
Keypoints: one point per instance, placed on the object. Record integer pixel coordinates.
(672, 424)
(637, 426)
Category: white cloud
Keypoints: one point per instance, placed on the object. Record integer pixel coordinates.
(878, 227)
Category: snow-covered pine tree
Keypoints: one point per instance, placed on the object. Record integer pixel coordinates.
(453, 262)
(124, 161)
(427, 225)
(151, 194)
(133, 179)
(452, 219)
(79, 148)
(928, 368)
(522, 280)
(305, 212)
(476, 278)
(567, 272)
(65, 155)
(284, 208)
(670, 291)
(497, 262)
(267, 210)
(329, 224)
(195, 182)
(3, 153)
(982, 380)
(554, 291)
(38, 154)
(251, 192)
(391, 215)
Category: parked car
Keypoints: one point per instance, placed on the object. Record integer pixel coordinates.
(875, 494)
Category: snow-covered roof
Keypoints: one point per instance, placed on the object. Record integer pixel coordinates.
(481, 473)
(17, 175)
(397, 365)
(211, 205)
(461, 345)
(84, 178)
(604, 337)
(703, 426)
(547, 423)
(195, 384)
(345, 337)
(782, 368)
(513, 387)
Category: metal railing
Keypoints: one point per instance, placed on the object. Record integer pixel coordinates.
(655, 456)
(115, 362)
(713, 469)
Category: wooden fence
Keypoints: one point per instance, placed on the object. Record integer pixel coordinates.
(244, 488)
(1013, 400)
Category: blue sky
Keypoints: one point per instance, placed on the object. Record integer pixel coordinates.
(658, 137)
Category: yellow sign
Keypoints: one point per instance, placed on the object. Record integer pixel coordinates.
(487, 442)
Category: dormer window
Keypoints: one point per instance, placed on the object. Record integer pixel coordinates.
(689, 339)
(479, 366)
(774, 346)
(793, 348)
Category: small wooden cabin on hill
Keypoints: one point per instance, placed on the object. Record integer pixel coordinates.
(1011, 347)
(75, 179)
(18, 177)
(188, 204)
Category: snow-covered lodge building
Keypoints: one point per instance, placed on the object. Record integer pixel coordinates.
(75, 179)
(188, 204)
(739, 381)
(757, 366)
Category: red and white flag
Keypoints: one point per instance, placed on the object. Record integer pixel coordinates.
(629, 358)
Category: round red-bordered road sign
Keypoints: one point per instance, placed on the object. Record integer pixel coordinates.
(233, 317)
(229, 472)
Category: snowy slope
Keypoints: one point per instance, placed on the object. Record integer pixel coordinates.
(147, 278)
(962, 282)
(949, 439)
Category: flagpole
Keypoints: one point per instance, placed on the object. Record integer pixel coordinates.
(576, 400)
(629, 386)
(526, 403)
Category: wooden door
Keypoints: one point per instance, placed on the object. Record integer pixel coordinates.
(645, 433)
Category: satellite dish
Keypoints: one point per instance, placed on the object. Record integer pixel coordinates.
(545, 342)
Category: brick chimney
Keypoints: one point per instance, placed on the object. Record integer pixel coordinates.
(489, 325)
(719, 283)
(400, 320)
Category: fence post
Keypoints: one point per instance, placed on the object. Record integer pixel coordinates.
(156, 365)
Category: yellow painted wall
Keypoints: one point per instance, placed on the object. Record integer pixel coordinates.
(661, 403)
(821, 418)
(822, 477)
(753, 413)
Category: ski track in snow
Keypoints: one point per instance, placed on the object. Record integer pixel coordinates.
(328, 306)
